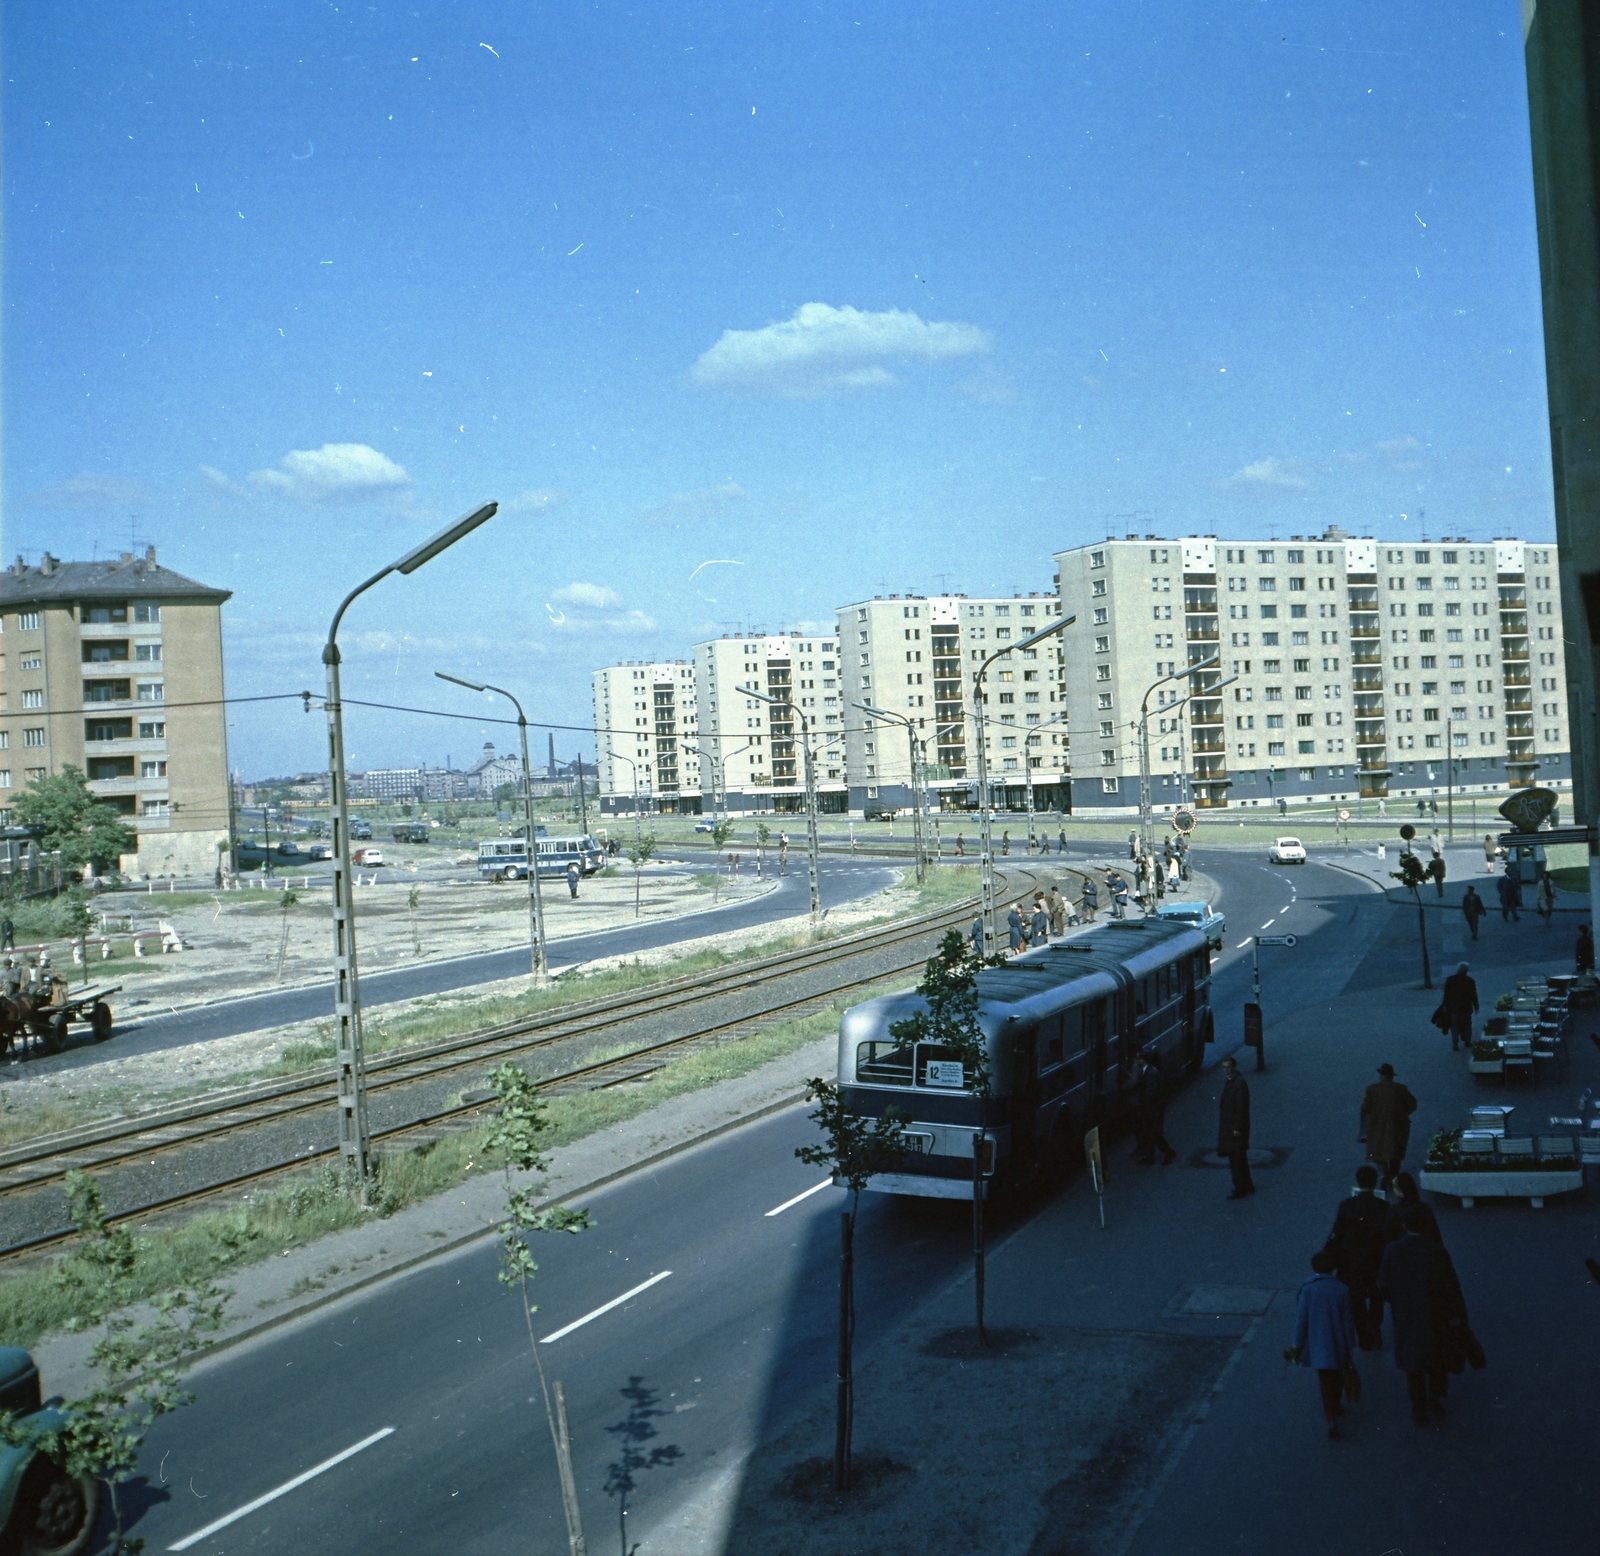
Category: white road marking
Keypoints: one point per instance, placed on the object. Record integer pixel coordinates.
(815, 1189)
(578, 1323)
(284, 1489)
(1269, 923)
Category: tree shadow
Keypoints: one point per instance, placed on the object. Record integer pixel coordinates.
(633, 1432)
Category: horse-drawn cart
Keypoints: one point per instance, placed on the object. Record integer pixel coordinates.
(48, 1017)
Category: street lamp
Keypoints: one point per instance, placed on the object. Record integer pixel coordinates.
(541, 958)
(354, 1140)
(720, 762)
(1028, 760)
(985, 831)
(918, 844)
(1146, 826)
(617, 756)
(811, 797)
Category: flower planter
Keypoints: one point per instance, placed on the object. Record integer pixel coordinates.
(1503, 1183)
(1487, 1066)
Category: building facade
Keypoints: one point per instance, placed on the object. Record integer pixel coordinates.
(918, 656)
(115, 668)
(1336, 668)
(646, 720)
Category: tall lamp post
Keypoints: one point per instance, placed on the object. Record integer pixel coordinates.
(918, 843)
(1034, 730)
(541, 959)
(811, 798)
(1146, 825)
(355, 1142)
(720, 763)
(1144, 745)
(985, 830)
(617, 756)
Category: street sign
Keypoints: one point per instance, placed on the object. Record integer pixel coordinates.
(1344, 815)
(1276, 940)
(1528, 808)
(1408, 832)
(1183, 821)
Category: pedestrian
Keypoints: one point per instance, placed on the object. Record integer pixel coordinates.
(1015, 929)
(1506, 890)
(1433, 806)
(1058, 912)
(1386, 1111)
(783, 853)
(1324, 1333)
(1514, 875)
(1472, 909)
(1283, 806)
(1402, 1196)
(961, 845)
(977, 936)
(1061, 842)
(1418, 1281)
(1040, 923)
(1436, 844)
(1460, 1004)
(1490, 849)
(1005, 842)
(8, 934)
(1585, 950)
(1436, 872)
(1090, 904)
(1357, 1243)
(1547, 898)
(1133, 844)
(572, 880)
(1149, 1112)
(1382, 808)
(1233, 1127)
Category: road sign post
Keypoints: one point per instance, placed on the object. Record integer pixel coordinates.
(1253, 1031)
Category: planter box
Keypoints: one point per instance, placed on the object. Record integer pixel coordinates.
(1487, 1066)
(1503, 1183)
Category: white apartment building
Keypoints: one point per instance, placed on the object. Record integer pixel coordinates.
(1347, 668)
(918, 656)
(646, 735)
(749, 750)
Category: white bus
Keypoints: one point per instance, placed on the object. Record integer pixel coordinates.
(506, 858)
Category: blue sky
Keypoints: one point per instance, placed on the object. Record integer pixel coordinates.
(847, 300)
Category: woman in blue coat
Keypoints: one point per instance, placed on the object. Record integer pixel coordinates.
(1014, 930)
(1325, 1333)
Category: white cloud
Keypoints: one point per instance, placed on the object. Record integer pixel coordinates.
(824, 350)
(87, 492)
(1268, 474)
(535, 500)
(1398, 445)
(595, 596)
(219, 484)
(709, 502)
(333, 473)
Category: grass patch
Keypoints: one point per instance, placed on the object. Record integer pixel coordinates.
(1571, 878)
(36, 1302)
(48, 1118)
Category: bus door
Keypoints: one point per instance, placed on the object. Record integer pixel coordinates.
(1025, 1102)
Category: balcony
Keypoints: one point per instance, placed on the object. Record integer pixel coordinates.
(1519, 701)
(1360, 633)
(1513, 624)
(1365, 656)
(1203, 633)
(1209, 742)
(1518, 676)
(1369, 737)
(1513, 597)
(1514, 655)
(1519, 726)
(1363, 600)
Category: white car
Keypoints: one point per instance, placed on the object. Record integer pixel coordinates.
(1201, 916)
(1287, 850)
(367, 857)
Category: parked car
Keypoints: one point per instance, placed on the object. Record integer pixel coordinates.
(367, 857)
(705, 826)
(360, 829)
(321, 851)
(1287, 850)
(1212, 924)
(412, 832)
(42, 1508)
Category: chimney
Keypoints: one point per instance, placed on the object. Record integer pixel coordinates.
(150, 556)
(47, 565)
(19, 568)
(127, 556)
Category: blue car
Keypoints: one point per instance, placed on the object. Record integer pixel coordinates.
(43, 1510)
(1201, 915)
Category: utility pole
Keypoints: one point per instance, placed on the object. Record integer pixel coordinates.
(985, 829)
(355, 1141)
(812, 863)
(1450, 779)
(1146, 821)
(918, 844)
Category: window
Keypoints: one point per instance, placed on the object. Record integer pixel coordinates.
(31, 662)
(1266, 585)
(1104, 700)
(149, 769)
(153, 808)
(1297, 612)
(147, 651)
(1099, 587)
(1297, 586)
(5, 777)
(1264, 558)
(1102, 672)
(33, 737)
(153, 691)
(35, 774)
(33, 699)
(1303, 720)
(147, 613)
(101, 614)
(1097, 559)
(1274, 748)
(1106, 729)
(1306, 747)
(1270, 612)
(28, 621)
(1100, 616)
(1293, 557)
(1108, 757)
(1274, 721)
(1102, 645)
(1108, 785)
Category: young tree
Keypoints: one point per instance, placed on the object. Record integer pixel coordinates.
(721, 831)
(763, 837)
(290, 897)
(1411, 875)
(96, 1440)
(514, 1138)
(855, 1150)
(950, 986)
(413, 897)
(639, 855)
(74, 821)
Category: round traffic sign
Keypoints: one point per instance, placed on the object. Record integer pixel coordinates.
(1183, 821)
(1344, 815)
(1408, 832)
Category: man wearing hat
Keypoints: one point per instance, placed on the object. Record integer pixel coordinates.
(1386, 1122)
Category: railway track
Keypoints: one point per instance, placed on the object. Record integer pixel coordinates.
(95, 1148)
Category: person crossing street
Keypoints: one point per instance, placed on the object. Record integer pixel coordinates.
(1233, 1128)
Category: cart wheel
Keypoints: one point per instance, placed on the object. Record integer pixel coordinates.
(58, 1512)
(100, 1020)
(54, 1035)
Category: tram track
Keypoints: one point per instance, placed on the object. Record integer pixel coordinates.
(47, 1160)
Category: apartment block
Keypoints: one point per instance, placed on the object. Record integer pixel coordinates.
(750, 756)
(918, 656)
(1346, 668)
(646, 723)
(115, 668)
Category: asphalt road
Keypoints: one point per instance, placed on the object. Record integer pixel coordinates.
(693, 1369)
(842, 881)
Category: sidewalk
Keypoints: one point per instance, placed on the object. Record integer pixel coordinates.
(1136, 1399)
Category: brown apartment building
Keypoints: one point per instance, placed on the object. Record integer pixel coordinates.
(115, 668)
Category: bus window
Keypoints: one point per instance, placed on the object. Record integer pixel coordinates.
(1052, 1054)
(886, 1063)
(1140, 1002)
(1094, 1036)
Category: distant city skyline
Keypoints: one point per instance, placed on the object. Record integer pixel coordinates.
(829, 307)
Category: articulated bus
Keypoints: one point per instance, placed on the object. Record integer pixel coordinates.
(506, 858)
(1063, 1024)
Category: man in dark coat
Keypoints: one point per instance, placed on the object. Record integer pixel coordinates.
(1506, 890)
(1461, 1005)
(1014, 930)
(1150, 1112)
(1386, 1121)
(1472, 909)
(1418, 1281)
(1357, 1244)
(977, 935)
(1233, 1128)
